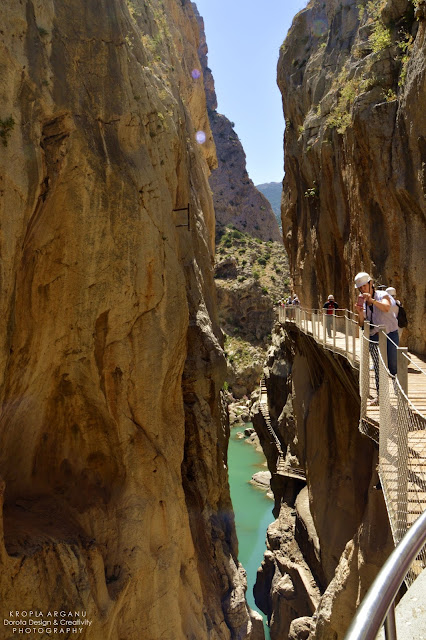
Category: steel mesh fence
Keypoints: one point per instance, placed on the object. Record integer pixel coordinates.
(386, 414)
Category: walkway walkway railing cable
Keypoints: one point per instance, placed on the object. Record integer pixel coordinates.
(283, 467)
(401, 436)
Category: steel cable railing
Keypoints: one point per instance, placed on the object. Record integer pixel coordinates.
(386, 414)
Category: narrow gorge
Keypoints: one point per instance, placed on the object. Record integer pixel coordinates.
(140, 276)
(115, 497)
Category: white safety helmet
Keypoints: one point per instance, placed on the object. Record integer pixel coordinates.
(361, 278)
(391, 291)
(331, 297)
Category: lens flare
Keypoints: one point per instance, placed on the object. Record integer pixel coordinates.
(200, 137)
(319, 27)
(195, 73)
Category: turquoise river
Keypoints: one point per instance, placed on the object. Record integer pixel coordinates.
(252, 508)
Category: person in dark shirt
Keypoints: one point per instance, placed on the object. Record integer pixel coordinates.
(330, 307)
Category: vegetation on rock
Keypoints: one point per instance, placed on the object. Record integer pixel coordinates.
(251, 277)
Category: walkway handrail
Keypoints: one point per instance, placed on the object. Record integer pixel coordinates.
(387, 415)
(283, 467)
(379, 603)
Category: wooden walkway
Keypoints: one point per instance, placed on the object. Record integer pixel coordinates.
(402, 442)
(283, 469)
(416, 379)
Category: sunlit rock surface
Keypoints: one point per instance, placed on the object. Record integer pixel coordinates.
(352, 77)
(112, 434)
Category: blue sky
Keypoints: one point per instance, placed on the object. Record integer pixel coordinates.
(244, 38)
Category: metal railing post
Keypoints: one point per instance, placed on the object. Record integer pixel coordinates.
(390, 623)
(402, 368)
(402, 434)
(364, 372)
(334, 330)
(347, 335)
(353, 327)
(383, 381)
(324, 335)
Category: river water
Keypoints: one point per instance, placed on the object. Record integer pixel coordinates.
(252, 508)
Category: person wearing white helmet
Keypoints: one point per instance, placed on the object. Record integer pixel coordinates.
(394, 309)
(330, 307)
(401, 316)
(377, 307)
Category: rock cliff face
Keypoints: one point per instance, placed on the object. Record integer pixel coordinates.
(112, 439)
(332, 536)
(236, 199)
(353, 81)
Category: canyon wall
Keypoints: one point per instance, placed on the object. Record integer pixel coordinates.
(353, 80)
(332, 533)
(113, 436)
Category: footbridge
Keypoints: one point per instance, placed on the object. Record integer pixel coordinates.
(393, 411)
(283, 467)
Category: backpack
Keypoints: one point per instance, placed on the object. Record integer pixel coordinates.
(402, 316)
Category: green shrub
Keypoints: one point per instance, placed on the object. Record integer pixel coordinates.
(406, 46)
(380, 37)
(390, 95)
(312, 192)
(340, 116)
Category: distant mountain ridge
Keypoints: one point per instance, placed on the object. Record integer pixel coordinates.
(272, 191)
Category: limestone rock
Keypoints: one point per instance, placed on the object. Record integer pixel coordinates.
(353, 81)
(284, 587)
(262, 479)
(257, 630)
(300, 628)
(113, 435)
(226, 268)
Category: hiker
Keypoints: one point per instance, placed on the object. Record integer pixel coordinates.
(296, 300)
(398, 310)
(376, 307)
(330, 307)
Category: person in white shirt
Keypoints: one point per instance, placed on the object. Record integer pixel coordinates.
(377, 308)
(392, 292)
